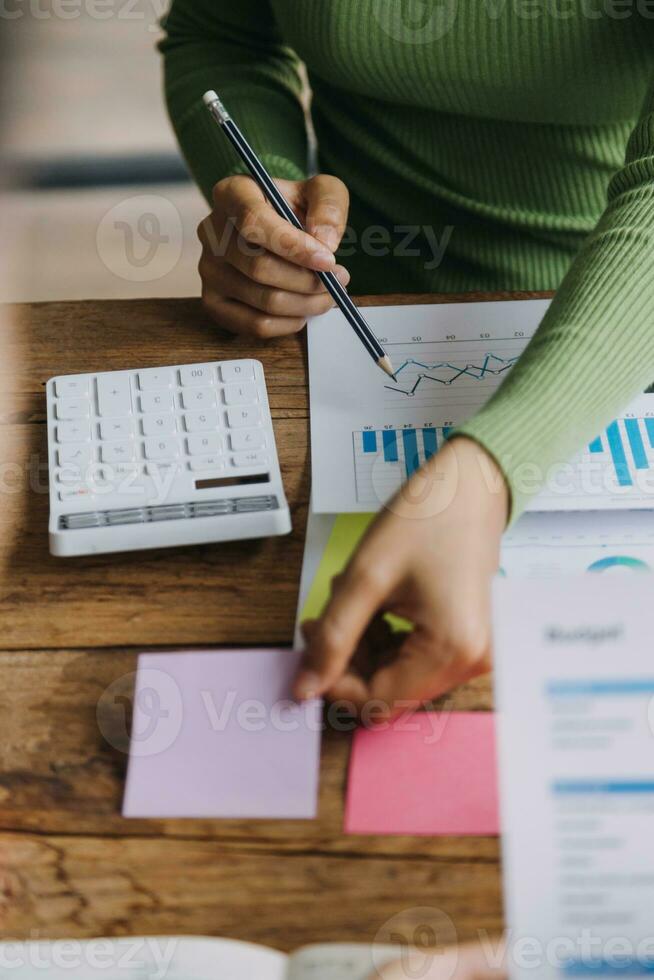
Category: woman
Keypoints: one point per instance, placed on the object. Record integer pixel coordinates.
(470, 145)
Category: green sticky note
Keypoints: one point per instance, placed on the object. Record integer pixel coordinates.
(347, 531)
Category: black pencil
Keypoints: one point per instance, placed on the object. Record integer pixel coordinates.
(259, 173)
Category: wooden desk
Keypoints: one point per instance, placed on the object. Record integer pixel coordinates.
(69, 628)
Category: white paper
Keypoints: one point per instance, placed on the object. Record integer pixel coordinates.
(546, 546)
(188, 958)
(575, 697)
(142, 958)
(339, 961)
(368, 432)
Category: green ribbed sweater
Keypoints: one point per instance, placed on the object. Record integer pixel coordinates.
(519, 132)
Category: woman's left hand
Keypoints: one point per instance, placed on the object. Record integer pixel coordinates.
(429, 558)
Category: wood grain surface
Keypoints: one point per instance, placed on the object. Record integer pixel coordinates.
(70, 632)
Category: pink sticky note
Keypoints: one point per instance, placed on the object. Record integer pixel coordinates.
(217, 734)
(433, 773)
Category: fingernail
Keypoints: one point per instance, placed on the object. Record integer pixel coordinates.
(307, 686)
(342, 275)
(330, 238)
(323, 260)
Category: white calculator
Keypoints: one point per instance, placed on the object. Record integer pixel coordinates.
(162, 456)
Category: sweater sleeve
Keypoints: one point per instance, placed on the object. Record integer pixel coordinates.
(234, 47)
(594, 350)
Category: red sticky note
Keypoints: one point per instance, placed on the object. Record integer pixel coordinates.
(434, 773)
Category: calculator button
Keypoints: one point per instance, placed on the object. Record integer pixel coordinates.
(199, 398)
(73, 432)
(154, 425)
(196, 374)
(116, 429)
(247, 439)
(73, 408)
(240, 394)
(198, 445)
(249, 459)
(114, 395)
(239, 418)
(153, 378)
(120, 471)
(161, 470)
(237, 371)
(70, 475)
(79, 455)
(206, 463)
(75, 493)
(117, 452)
(72, 387)
(201, 421)
(165, 448)
(156, 401)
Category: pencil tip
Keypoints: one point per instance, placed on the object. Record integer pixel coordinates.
(386, 366)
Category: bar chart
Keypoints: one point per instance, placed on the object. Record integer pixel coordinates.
(370, 434)
(615, 470)
(630, 434)
(385, 458)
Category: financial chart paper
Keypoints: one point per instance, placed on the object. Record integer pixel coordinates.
(369, 434)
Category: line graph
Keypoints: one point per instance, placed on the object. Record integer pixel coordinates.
(491, 364)
(457, 376)
(369, 433)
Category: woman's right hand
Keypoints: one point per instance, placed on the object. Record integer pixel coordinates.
(259, 272)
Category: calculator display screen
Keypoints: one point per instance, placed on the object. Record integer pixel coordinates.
(231, 481)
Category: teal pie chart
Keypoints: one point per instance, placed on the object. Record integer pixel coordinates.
(619, 562)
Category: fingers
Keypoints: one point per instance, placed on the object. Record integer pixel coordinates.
(229, 283)
(240, 200)
(328, 203)
(258, 272)
(244, 321)
(356, 596)
(426, 668)
(270, 270)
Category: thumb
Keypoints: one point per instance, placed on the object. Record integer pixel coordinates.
(327, 206)
(333, 639)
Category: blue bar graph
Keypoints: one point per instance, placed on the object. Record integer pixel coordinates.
(389, 439)
(411, 457)
(636, 443)
(446, 431)
(370, 442)
(618, 454)
(615, 442)
(429, 442)
(409, 447)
